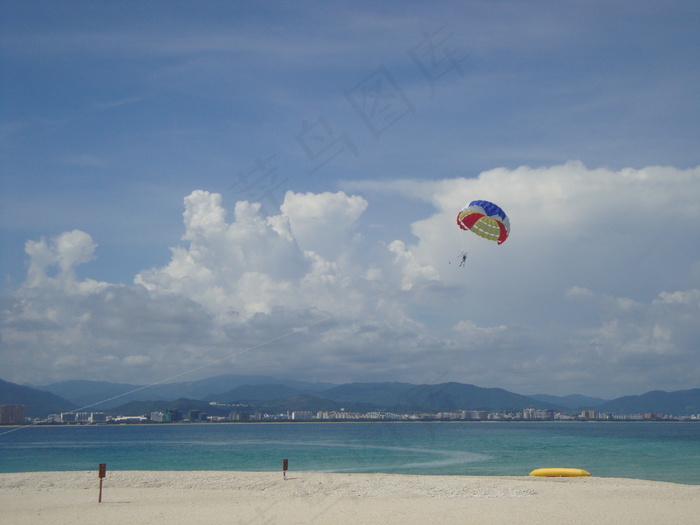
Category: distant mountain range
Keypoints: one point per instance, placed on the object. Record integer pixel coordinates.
(269, 394)
(680, 402)
(38, 403)
(574, 401)
(100, 395)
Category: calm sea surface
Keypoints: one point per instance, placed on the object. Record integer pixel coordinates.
(654, 451)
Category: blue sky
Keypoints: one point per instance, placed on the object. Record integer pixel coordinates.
(137, 138)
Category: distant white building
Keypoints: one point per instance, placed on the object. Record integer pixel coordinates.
(98, 417)
(628, 417)
(545, 414)
(130, 419)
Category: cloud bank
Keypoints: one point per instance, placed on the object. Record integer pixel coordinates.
(595, 292)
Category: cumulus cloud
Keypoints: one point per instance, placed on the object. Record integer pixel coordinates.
(231, 286)
(642, 341)
(594, 292)
(325, 223)
(257, 264)
(58, 256)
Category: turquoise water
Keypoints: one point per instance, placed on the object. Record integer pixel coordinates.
(654, 451)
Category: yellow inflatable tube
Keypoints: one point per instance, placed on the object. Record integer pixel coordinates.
(559, 472)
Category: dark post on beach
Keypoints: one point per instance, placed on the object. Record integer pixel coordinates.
(102, 474)
(285, 466)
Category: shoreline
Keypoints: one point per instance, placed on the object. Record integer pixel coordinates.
(212, 497)
(350, 421)
(8, 429)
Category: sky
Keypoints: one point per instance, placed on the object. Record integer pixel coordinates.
(192, 189)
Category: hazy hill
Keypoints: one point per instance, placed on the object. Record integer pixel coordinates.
(101, 395)
(97, 395)
(679, 403)
(444, 396)
(184, 405)
(38, 403)
(382, 394)
(574, 401)
(211, 386)
(246, 393)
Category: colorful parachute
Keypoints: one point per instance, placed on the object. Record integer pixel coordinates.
(486, 220)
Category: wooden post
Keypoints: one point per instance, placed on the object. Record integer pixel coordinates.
(102, 473)
(285, 466)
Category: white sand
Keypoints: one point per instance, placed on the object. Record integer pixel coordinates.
(205, 497)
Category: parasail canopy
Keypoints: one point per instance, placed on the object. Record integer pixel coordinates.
(486, 220)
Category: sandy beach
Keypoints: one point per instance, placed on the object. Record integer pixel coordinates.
(207, 497)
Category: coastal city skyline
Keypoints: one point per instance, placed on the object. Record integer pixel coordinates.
(273, 189)
(238, 398)
(299, 416)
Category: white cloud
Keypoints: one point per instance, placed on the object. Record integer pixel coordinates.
(137, 360)
(592, 293)
(60, 256)
(256, 264)
(409, 267)
(471, 329)
(325, 223)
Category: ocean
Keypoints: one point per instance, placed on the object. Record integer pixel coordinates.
(661, 451)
